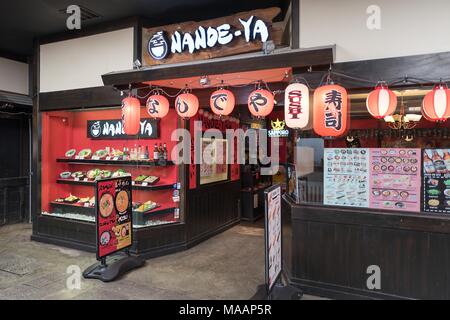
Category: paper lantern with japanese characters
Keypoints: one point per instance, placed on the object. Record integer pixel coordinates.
(222, 102)
(186, 105)
(381, 102)
(296, 106)
(331, 111)
(260, 103)
(131, 115)
(157, 106)
(436, 104)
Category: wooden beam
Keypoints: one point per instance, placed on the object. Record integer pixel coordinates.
(295, 24)
(247, 62)
(418, 70)
(80, 98)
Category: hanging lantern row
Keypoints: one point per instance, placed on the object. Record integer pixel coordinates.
(330, 105)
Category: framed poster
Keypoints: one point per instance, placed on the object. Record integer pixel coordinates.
(292, 182)
(114, 215)
(395, 179)
(346, 177)
(272, 235)
(436, 180)
(214, 166)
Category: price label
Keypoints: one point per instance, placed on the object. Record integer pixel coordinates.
(76, 179)
(108, 158)
(144, 184)
(95, 158)
(116, 158)
(86, 204)
(176, 199)
(176, 213)
(133, 183)
(77, 157)
(85, 179)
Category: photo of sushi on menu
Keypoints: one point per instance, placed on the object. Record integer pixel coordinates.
(436, 176)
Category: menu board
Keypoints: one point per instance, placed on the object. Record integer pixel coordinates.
(273, 234)
(114, 215)
(436, 180)
(346, 177)
(395, 179)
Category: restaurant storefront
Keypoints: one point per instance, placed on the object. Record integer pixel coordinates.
(366, 185)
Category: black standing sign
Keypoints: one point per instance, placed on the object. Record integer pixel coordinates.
(113, 129)
(272, 197)
(114, 215)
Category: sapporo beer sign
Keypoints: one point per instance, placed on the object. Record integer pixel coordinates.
(188, 41)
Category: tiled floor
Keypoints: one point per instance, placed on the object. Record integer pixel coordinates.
(228, 266)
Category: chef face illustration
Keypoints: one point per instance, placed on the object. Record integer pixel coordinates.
(96, 129)
(158, 46)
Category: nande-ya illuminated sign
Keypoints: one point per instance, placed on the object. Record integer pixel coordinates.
(252, 29)
(278, 129)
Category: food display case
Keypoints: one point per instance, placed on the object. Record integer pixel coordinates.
(80, 147)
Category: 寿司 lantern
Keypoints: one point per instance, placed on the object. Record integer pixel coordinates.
(260, 103)
(131, 115)
(186, 105)
(436, 104)
(381, 102)
(330, 111)
(222, 102)
(157, 106)
(296, 106)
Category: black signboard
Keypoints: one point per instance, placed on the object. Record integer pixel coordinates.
(273, 267)
(113, 129)
(436, 180)
(114, 215)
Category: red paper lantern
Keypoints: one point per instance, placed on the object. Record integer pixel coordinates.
(260, 103)
(131, 115)
(381, 102)
(330, 111)
(222, 102)
(186, 105)
(157, 106)
(436, 104)
(296, 106)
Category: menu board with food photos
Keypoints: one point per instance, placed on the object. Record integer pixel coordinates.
(114, 215)
(436, 180)
(395, 179)
(346, 177)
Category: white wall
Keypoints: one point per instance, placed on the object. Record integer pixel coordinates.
(408, 27)
(80, 63)
(14, 76)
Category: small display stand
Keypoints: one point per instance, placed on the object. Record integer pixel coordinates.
(274, 289)
(114, 229)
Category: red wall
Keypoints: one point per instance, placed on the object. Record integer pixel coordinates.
(62, 131)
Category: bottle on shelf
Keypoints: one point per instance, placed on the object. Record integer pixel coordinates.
(160, 152)
(146, 154)
(428, 164)
(438, 162)
(155, 152)
(165, 153)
